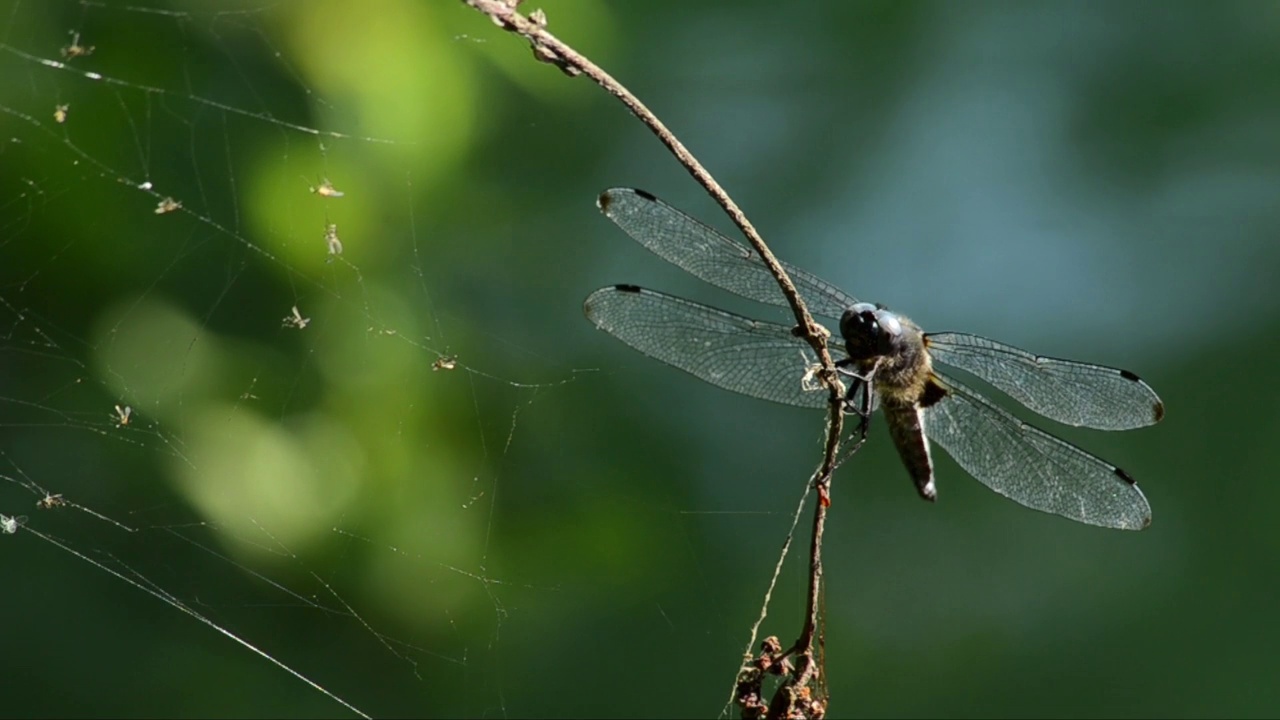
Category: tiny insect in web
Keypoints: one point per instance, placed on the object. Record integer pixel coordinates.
(49, 502)
(295, 320)
(445, 362)
(168, 205)
(123, 415)
(331, 239)
(60, 113)
(326, 189)
(809, 383)
(10, 525)
(75, 49)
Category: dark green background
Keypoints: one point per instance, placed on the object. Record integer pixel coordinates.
(560, 526)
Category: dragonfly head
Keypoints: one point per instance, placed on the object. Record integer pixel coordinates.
(870, 331)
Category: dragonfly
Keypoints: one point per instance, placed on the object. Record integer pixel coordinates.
(894, 367)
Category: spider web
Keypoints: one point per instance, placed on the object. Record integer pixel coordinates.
(226, 386)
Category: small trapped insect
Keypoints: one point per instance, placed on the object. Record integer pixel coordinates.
(10, 525)
(123, 415)
(445, 362)
(168, 205)
(50, 502)
(60, 113)
(75, 49)
(331, 239)
(810, 383)
(326, 189)
(295, 320)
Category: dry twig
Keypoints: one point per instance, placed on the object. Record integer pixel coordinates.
(796, 697)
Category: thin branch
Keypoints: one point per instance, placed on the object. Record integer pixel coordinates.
(547, 48)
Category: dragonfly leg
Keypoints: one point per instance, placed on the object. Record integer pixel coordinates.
(862, 409)
(856, 401)
(855, 404)
(856, 439)
(851, 450)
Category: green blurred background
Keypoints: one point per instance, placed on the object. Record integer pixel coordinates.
(560, 526)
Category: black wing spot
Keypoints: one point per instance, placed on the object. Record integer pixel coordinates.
(645, 194)
(604, 201)
(1130, 376)
(1125, 476)
(1159, 411)
(627, 288)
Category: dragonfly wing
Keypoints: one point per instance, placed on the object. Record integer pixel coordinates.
(708, 254)
(760, 359)
(1074, 393)
(1030, 466)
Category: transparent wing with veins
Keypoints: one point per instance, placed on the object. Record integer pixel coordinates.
(760, 359)
(704, 252)
(1072, 393)
(1030, 466)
